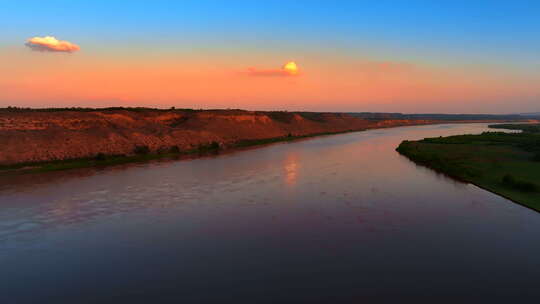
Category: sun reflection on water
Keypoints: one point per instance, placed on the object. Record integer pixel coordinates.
(291, 167)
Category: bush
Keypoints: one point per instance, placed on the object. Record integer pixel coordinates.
(536, 157)
(174, 149)
(214, 145)
(100, 156)
(141, 149)
(508, 179)
(526, 186)
(516, 184)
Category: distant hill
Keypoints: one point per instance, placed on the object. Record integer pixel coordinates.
(534, 114)
(446, 117)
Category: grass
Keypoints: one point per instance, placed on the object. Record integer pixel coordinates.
(100, 160)
(503, 163)
(257, 142)
(142, 153)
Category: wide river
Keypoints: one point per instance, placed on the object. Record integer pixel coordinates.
(334, 219)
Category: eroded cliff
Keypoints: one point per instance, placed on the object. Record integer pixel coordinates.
(38, 136)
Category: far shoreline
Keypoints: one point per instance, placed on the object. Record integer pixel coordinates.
(504, 164)
(200, 152)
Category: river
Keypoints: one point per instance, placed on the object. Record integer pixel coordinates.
(332, 219)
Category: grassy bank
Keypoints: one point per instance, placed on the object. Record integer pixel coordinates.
(257, 142)
(506, 164)
(143, 154)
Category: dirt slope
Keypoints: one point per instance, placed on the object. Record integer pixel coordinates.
(35, 136)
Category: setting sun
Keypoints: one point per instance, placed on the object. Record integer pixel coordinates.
(291, 68)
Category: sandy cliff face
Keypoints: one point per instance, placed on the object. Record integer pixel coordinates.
(33, 136)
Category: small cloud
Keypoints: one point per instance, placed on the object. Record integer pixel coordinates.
(289, 69)
(51, 44)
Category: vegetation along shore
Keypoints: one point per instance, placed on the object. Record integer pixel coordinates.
(505, 163)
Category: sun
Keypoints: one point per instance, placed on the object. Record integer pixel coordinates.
(291, 68)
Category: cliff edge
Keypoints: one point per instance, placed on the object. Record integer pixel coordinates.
(31, 136)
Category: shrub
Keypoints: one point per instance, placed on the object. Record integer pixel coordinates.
(508, 180)
(536, 157)
(141, 149)
(526, 186)
(214, 145)
(516, 184)
(100, 156)
(174, 149)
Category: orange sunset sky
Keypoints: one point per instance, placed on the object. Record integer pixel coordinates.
(193, 59)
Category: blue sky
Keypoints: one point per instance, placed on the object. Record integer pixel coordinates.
(512, 26)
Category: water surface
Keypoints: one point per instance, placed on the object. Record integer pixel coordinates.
(334, 219)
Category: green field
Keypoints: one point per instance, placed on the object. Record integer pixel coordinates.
(505, 163)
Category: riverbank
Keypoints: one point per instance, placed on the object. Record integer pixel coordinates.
(102, 160)
(507, 164)
(55, 139)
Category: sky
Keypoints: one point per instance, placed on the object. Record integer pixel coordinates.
(376, 56)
